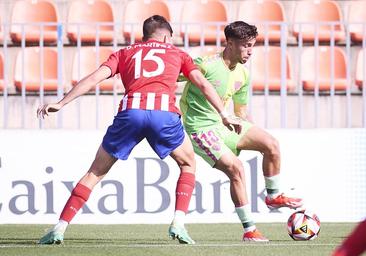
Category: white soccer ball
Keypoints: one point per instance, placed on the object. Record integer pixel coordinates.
(303, 225)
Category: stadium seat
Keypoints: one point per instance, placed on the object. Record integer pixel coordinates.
(32, 72)
(258, 13)
(88, 14)
(136, 11)
(88, 63)
(323, 68)
(1, 72)
(360, 69)
(356, 14)
(266, 69)
(201, 12)
(28, 11)
(313, 11)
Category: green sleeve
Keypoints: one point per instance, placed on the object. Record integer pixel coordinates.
(201, 66)
(241, 96)
(200, 63)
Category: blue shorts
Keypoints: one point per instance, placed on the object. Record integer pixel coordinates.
(162, 129)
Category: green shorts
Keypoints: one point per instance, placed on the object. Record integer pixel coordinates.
(213, 142)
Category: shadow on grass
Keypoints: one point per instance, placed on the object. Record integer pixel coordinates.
(17, 241)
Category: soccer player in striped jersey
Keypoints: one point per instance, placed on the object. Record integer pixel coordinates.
(149, 72)
(220, 147)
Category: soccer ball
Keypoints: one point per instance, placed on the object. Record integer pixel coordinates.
(303, 225)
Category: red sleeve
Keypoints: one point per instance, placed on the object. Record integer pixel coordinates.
(113, 61)
(187, 64)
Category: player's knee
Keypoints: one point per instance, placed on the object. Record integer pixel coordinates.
(235, 171)
(98, 168)
(188, 163)
(273, 148)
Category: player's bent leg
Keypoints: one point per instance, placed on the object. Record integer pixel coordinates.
(101, 165)
(79, 195)
(258, 139)
(184, 156)
(233, 168)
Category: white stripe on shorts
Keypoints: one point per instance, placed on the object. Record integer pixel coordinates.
(150, 102)
(136, 100)
(124, 102)
(164, 102)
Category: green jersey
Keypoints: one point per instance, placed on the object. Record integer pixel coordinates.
(229, 84)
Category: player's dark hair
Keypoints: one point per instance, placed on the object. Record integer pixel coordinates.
(240, 30)
(153, 23)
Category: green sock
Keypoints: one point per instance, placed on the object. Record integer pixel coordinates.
(244, 214)
(272, 184)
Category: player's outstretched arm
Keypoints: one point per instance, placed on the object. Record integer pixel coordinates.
(85, 85)
(211, 95)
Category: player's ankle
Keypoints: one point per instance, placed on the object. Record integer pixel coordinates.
(272, 195)
(61, 226)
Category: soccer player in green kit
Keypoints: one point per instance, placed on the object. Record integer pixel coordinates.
(219, 146)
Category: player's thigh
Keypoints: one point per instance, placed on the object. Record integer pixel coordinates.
(255, 139)
(103, 162)
(184, 156)
(210, 144)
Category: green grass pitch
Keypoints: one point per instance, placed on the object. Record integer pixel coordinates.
(145, 240)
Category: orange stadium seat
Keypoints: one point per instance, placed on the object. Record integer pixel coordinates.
(88, 63)
(357, 14)
(28, 11)
(1, 72)
(268, 61)
(323, 68)
(92, 11)
(32, 72)
(136, 11)
(360, 70)
(258, 13)
(312, 11)
(200, 12)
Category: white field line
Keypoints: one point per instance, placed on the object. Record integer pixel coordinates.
(250, 244)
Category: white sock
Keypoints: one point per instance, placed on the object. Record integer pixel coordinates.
(244, 214)
(61, 226)
(272, 185)
(179, 218)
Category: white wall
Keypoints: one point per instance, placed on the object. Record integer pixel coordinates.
(327, 167)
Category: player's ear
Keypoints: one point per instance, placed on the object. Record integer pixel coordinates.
(230, 43)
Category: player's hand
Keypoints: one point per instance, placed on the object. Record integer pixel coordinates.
(233, 123)
(43, 111)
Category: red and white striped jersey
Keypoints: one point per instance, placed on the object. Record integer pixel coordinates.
(149, 72)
